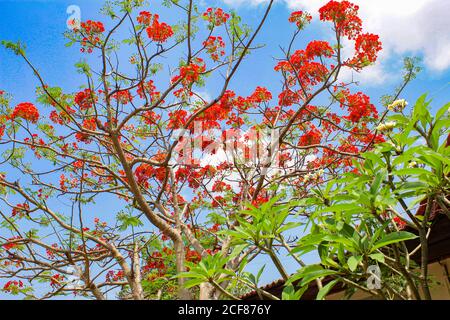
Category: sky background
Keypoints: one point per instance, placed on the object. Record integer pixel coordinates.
(406, 27)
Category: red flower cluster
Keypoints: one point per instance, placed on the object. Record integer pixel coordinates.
(143, 172)
(358, 106)
(192, 256)
(55, 118)
(177, 119)
(301, 68)
(399, 222)
(311, 137)
(156, 31)
(123, 96)
(51, 253)
(20, 209)
(288, 97)
(12, 286)
(146, 171)
(367, 46)
(151, 117)
(91, 30)
(155, 261)
(194, 177)
(260, 95)
(344, 15)
(62, 116)
(92, 27)
(300, 18)
(218, 112)
(27, 111)
(55, 280)
(88, 124)
(218, 201)
(220, 186)
(144, 18)
(10, 246)
(216, 17)
(318, 48)
(214, 46)
(148, 88)
(114, 276)
(85, 99)
(191, 73)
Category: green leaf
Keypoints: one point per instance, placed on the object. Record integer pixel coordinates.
(393, 238)
(193, 282)
(353, 262)
(325, 289)
(411, 171)
(442, 110)
(377, 256)
(316, 274)
(289, 293)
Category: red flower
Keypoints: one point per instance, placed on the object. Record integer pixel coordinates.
(288, 98)
(144, 18)
(91, 31)
(85, 99)
(13, 286)
(88, 124)
(300, 18)
(260, 95)
(367, 46)
(123, 96)
(214, 46)
(399, 222)
(55, 280)
(10, 246)
(191, 73)
(192, 256)
(345, 17)
(92, 26)
(151, 117)
(20, 209)
(216, 17)
(27, 111)
(318, 49)
(358, 105)
(156, 31)
(177, 119)
(312, 136)
(147, 88)
(114, 276)
(143, 172)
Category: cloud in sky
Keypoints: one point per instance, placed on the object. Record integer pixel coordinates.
(406, 27)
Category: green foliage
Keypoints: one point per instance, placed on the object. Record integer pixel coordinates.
(16, 47)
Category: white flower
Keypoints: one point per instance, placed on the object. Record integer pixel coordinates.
(307, 177)
(388, 126)
(412, 164)
(381, 127)
(398, 105)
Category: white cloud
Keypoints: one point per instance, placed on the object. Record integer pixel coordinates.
(406, 27)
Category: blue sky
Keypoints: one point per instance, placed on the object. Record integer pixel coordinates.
(40, 25)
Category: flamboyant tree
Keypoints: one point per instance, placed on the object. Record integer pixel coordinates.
(179, 168)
